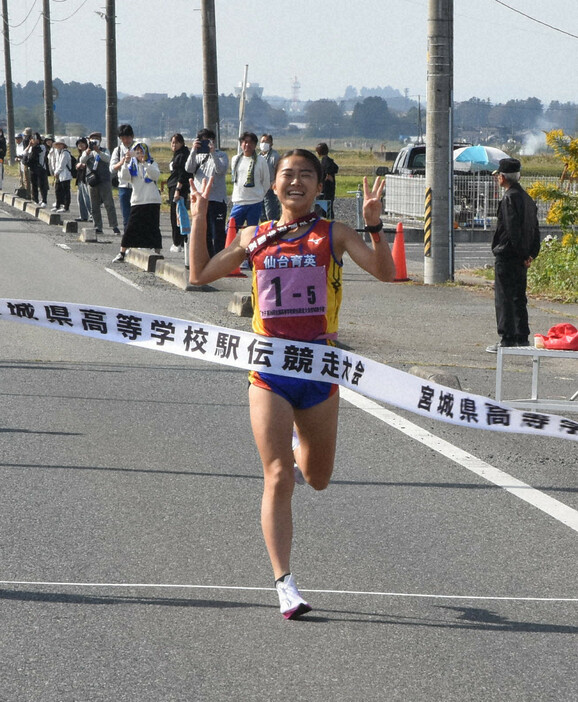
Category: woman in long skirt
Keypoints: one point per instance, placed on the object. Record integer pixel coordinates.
(143, 227)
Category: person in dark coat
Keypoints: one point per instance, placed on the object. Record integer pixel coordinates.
(178, 185)
(329, 170)
(515, 245)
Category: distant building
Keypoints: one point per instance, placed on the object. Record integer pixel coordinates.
(252, 90)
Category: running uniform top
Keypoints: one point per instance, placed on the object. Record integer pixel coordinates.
(297, 285)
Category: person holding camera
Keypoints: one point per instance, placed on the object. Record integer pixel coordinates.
(143, 227)
(208, 161)
(178, 185)
(97, 162)
(126, 136)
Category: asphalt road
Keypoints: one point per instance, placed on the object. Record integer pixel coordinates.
(132, 565)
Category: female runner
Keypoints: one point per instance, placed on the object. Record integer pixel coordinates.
(277, 404)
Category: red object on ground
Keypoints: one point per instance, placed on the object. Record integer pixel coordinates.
(398, 254)
(561, 337)
(231, 234)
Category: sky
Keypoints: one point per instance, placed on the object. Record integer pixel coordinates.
(324, 46)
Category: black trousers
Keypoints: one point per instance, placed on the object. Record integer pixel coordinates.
(510, 299)
(216, 227)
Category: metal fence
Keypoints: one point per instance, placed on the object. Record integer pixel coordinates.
(476, 198)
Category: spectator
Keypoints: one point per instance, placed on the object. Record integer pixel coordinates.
(143, 226)
(2, 155)
(34, 158)
(329, 170)
(178, 185)
(62, 176)
(97, 162)
(203, 163)
(51, 154)
(126, 136)
(82, 191)
(271, 206)
(250, 177)
(515, 245)
(25, 169)
(19, 138)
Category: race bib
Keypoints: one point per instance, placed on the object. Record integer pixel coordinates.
(292, 292)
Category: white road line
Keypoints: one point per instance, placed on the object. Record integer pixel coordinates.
(554, 508)
(367, 593)
(124, 280)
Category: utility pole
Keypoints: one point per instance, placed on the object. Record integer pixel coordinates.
(111, 88)
(8, 74)
(48, 89)
(210, 82)
(438, 229)
(242, 102)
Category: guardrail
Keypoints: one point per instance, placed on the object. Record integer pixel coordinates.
(476, 198)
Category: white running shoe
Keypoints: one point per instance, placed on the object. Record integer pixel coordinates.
(292, 604)
(176, 249)
(119, 258)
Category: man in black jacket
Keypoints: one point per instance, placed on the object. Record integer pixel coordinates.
(515, 245)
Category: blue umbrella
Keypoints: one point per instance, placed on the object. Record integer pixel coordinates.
(478, 158)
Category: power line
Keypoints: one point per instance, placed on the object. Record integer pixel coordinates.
(15, 26)
(534, 19)
(65, 19)
(19, 43)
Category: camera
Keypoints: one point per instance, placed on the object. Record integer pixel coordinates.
(204, 146)
(93, 145)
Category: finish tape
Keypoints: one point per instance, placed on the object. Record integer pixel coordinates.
(295, 359)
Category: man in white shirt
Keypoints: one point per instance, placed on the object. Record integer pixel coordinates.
(251, 180)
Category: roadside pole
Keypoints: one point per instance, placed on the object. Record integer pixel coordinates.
(111, 84)
(8, 85)
(48, 90)
(242, 106)
(438, 242)
(210, 83)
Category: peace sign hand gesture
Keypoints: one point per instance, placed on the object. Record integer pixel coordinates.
(372, 201)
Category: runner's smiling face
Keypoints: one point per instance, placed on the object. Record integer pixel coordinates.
(296, 183)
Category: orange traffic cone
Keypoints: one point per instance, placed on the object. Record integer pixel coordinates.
(398, 253)
(231, 234)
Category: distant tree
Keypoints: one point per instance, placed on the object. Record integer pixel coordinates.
(372, 119)
(562, 116)
(472, 115)
(324, 118)
(516, 115)
(260, 116)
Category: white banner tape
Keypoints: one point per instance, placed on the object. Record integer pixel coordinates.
(295, 359)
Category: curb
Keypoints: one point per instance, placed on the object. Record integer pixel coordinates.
(434, 375)
(144, 259)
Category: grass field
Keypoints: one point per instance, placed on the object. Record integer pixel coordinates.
(354, 163)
